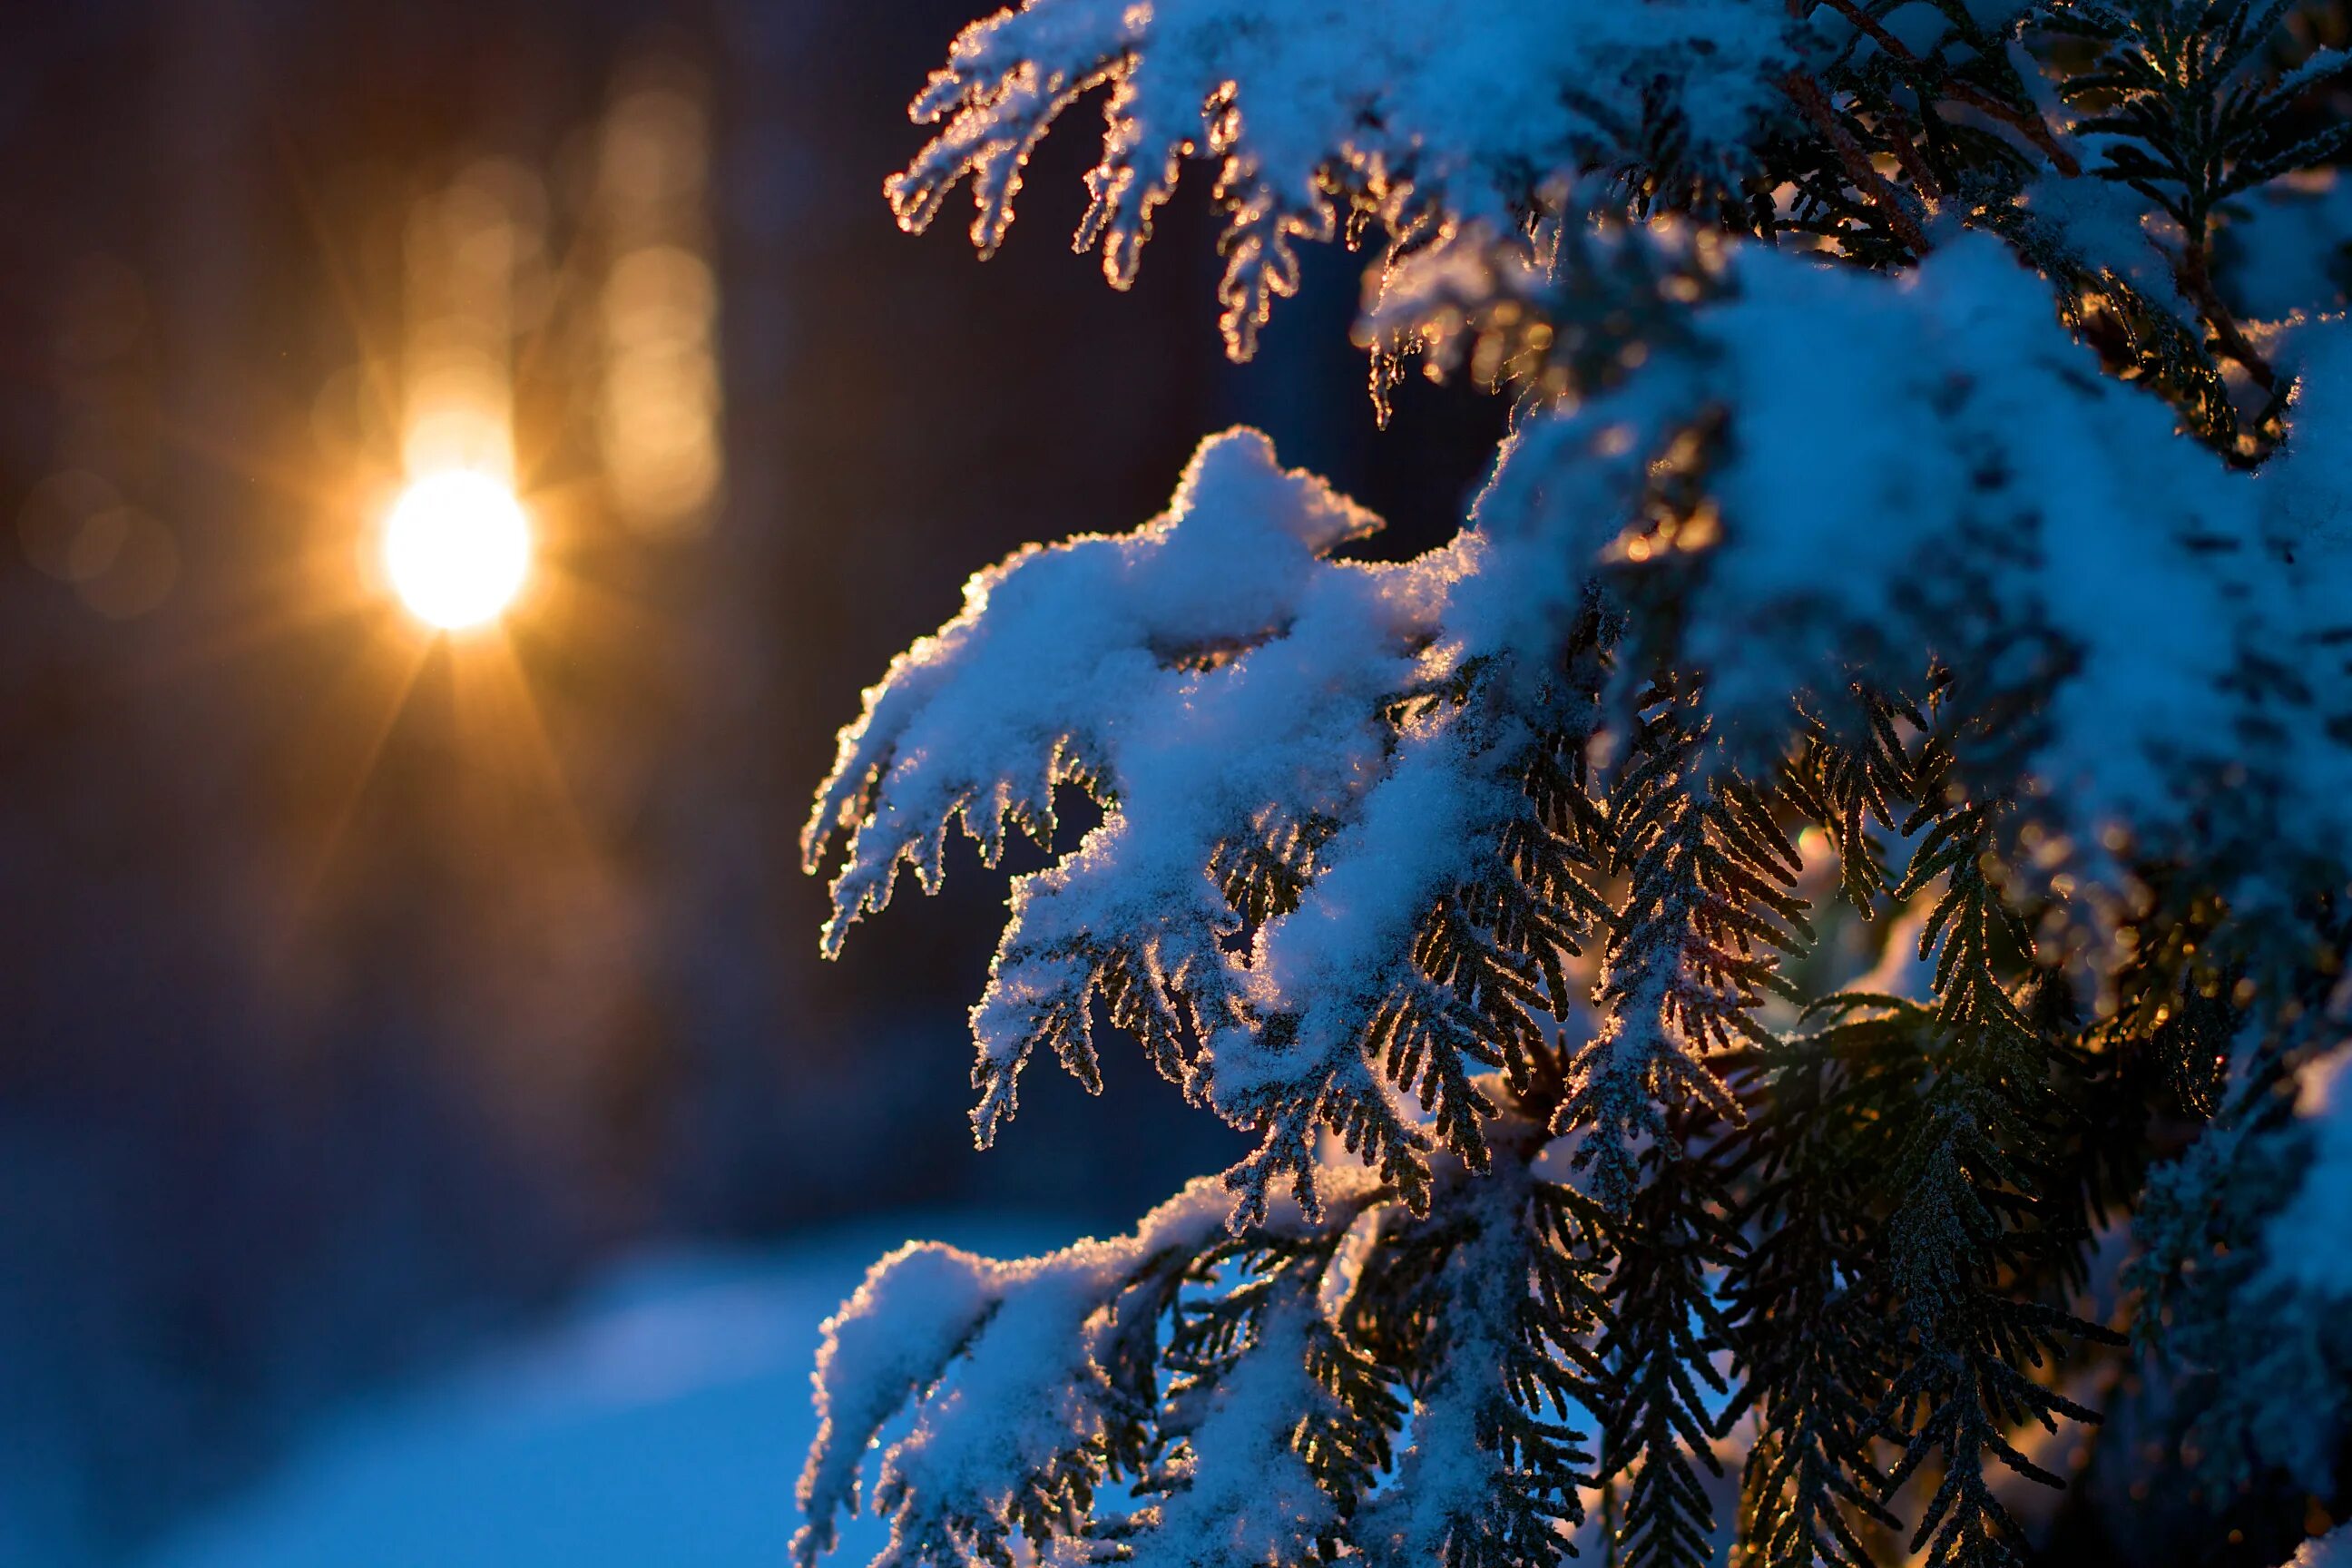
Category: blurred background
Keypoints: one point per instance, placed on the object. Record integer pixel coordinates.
(376, 1002)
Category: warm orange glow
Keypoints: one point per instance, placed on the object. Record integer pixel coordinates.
(456, 547)
(659, 405)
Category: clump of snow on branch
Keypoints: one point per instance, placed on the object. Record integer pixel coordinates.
(2104, 227)
(2333, 1549)
(1961, 480)
(2305, 1240)
(2302, 486)
(1210, 675)
(1013, 1371)
(1061, 652)
(1417, 112)
(1024, 1338)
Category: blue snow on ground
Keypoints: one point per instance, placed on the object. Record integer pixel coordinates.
(661, 1422)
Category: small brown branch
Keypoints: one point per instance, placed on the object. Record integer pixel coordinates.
(1814, 104)
(2030, 125)
(1898, 136)
(2196, 279)
(1871, 28)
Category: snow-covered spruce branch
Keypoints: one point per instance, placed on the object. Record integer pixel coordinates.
(1190, 1397)
(1225, 686)
(1409, 115)
(1903, 522)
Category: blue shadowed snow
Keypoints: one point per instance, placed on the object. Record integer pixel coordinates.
(663, 1422)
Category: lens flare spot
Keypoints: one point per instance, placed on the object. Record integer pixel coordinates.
(456, 547)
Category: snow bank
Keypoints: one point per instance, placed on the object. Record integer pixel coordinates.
(662, 1422)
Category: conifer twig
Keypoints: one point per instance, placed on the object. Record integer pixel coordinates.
(2197, 281)
(1814, 104)
(2032, 126)
(1906, 155)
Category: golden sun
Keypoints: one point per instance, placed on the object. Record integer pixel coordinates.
(456, 546)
